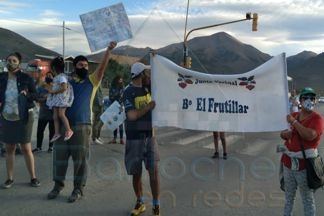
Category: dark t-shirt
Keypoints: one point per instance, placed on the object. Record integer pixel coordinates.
(136, 98)
(116, 93)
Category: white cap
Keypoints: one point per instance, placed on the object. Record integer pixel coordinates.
(138, 68)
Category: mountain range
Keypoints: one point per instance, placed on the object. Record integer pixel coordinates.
(12, 42)
(219, 53)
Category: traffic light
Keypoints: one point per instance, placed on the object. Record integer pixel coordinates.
(188, 62)
(255, 22)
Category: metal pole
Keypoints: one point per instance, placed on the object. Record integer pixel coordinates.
(185, 32)
(63, 39)
(248, 17)
(185, 51)
(205, 27)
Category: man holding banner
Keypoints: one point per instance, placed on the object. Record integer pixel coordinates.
(140, 144)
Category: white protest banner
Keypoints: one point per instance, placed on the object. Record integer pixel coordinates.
(105, 25)
(113, 116)
(256, 101)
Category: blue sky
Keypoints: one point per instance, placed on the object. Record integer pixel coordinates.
(289, 26)
(67, 10)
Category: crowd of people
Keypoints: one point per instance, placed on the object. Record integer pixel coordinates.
(72, 107)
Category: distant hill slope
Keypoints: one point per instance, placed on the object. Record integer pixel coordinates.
(219, 53)
(12, 42)
(119, 58)
(309, 72)
(131, 51)
(299, 59)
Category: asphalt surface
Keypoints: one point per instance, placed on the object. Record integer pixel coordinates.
(191, 182)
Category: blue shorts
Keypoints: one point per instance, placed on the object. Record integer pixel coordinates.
(139, 151)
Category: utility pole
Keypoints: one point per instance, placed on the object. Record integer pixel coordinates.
(185, 51)
(63, 53)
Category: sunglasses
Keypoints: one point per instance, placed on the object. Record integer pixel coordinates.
(308, 97)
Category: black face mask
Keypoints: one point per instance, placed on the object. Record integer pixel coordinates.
(81, 72)
(48, 80)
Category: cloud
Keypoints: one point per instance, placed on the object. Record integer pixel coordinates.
(9, 5)
(5, 12)
(51, 14)
(9, 8)
(284, 25)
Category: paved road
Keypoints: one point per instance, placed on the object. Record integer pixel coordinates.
(191, 182)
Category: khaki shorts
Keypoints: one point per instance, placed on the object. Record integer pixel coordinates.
(139, 151)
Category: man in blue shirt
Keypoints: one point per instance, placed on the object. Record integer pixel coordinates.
(79, 115)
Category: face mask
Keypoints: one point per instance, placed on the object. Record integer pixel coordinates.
(81, 72)
(12, 66)
(308, 104)
(48, 80)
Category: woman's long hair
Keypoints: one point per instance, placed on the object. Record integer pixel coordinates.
(114, 82)
(58, 65)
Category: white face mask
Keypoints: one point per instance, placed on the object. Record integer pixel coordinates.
(308, 104)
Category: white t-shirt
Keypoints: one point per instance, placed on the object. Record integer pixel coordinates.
(58, 80)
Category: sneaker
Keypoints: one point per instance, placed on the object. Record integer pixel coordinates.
(138, 209)
(50, 150)
(101, 140)
(122, 142)
(37, 150)
(34, 182)
(225, 156)
(8, 184)
(55, 137)
(76, 195)
(53, 193)
(156, 210)
(216, 155)
(68, 135)
(98, 142)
